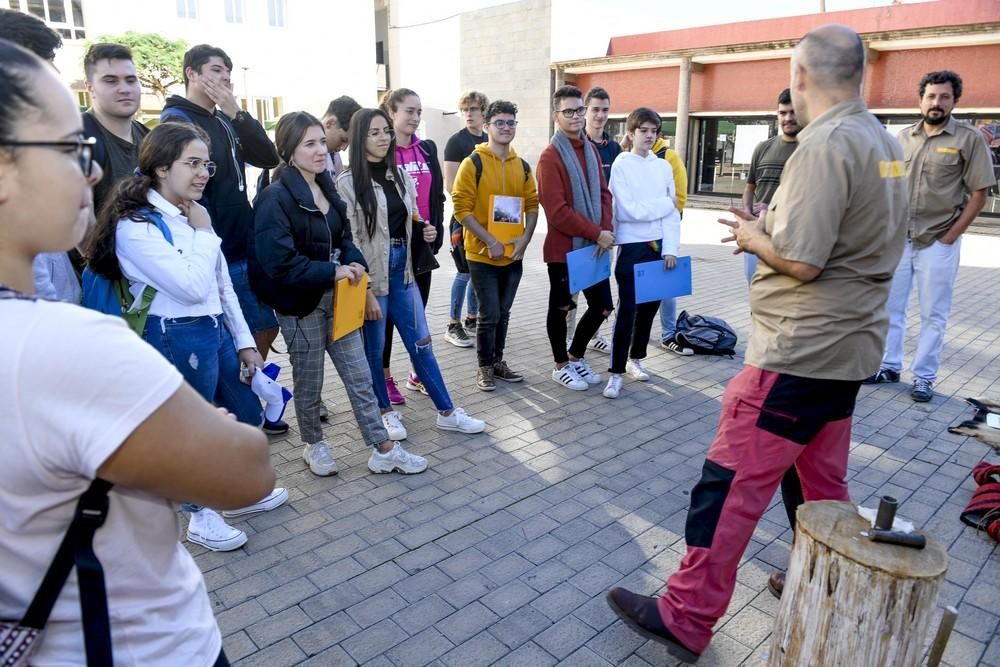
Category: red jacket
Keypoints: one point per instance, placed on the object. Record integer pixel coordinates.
(555, 194)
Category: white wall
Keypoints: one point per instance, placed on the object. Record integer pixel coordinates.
(325, 49)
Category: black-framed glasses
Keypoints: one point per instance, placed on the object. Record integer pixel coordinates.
(84, 149)
(569, 113)
(501, 123)
(198, 164)
(385, 132)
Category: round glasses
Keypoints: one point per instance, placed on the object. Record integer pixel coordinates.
(197, 165)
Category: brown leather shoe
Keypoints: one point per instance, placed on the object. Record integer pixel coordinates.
(641, 613)
(776, 584)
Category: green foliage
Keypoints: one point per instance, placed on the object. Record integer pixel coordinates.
(158, 61)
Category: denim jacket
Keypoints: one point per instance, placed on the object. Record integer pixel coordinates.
(376, 248)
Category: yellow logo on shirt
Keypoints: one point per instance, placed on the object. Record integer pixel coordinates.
(892, 168)
(946, 149)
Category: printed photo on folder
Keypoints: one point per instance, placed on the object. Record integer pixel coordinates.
(654, 283)
(585, 269)
(348, 306)
(506, 221)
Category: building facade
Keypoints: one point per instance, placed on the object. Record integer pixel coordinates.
(716, 87)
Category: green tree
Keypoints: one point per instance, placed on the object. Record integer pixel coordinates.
(158, 61)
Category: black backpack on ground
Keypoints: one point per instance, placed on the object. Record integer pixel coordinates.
(705, 335)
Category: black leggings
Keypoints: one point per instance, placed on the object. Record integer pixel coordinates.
(424, 287)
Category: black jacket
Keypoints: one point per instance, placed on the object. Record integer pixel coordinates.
(429, 149)
(234, 143)
(289, 255)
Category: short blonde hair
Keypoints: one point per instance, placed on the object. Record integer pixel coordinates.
(471, 96)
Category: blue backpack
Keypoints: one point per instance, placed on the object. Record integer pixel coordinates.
(113, 297)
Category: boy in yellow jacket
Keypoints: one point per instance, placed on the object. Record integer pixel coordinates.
(495, 187)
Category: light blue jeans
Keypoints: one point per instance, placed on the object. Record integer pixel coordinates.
(749, 265)
(462, 292)
(403, 302)
(668, 318)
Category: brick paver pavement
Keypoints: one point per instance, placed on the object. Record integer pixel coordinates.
(502, 551)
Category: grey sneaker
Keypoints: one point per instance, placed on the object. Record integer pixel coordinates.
(319, 459)
(884, 376)
(502, 371)
(484, 379)
(922, 391)
(457, 336)
(396, 460)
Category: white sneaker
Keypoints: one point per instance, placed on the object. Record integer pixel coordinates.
(319, 458)
(567, 377)
(276, 498)
(394, 425)
(585, 372)
(636, 371)
(614, 386)
(209, 530)
(459, 421)
(397, 460)
(600, 343)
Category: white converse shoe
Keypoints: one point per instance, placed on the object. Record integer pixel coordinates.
(397, 460)
(319, 458)
(459, 421)
(275, 499)
(209, 530)
(567, 377)
(614, 387)
(636, 371)
(394, 425)
(585, 372)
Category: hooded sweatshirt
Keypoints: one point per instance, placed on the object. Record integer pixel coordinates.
(234, 143)
(662, 150)
(644, 202)
(499, 177)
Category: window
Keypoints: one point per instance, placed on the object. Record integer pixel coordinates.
(276, 13)
(234, 11)
(57, 15)
(187, 9)
(724, 151)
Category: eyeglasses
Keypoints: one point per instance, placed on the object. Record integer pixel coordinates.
(500, 124)
(387, 132)
(84, 149)
(569, 113)
(197, 165)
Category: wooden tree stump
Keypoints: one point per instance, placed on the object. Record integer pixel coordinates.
(849, 601)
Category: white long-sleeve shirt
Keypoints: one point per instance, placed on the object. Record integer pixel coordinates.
(191, 276)
(645, 202)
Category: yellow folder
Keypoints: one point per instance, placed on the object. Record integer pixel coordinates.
(349, 306)
(506, 221)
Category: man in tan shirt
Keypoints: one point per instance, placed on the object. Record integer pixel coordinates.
(949, 170)
(828, 245)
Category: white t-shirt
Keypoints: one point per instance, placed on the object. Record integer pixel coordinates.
(75, 384)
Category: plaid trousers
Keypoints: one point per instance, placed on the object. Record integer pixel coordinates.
(307, 339)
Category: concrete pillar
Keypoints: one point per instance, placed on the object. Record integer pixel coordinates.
(683, 104)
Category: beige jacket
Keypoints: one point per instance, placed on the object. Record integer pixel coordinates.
(376, 248)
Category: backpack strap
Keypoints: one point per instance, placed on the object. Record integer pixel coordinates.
(91, 129)
(77, 548)
(477, 162)
(136, 317)
(175, 113)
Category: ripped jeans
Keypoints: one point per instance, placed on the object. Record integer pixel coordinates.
(202, 349)
(403, 302)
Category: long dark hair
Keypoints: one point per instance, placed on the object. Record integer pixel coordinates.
(361, 173)
(161, 148)
(288, 135)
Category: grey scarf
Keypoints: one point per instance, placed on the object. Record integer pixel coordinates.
(586, 191)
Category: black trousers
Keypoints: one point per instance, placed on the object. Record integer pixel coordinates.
(495, 288)
(632, 321)
(599, 306)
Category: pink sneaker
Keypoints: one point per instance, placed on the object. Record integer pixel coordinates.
(413, 383)
(395, 397)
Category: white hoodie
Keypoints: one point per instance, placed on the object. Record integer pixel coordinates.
(645, 202)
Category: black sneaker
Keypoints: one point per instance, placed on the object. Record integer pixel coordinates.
(671, 345)
(484, 379)
(456, 336)
(470, 325)
(275, 428)
(884, 376)
(922, 391)
(502, 371)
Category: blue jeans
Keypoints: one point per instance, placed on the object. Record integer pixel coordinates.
(404, 304)
(202, 349)
(258, 316)
(461, 290)
(668, 318)
(749, 265)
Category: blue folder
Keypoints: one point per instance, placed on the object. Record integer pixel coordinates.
(654, 283)
(585, 269)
